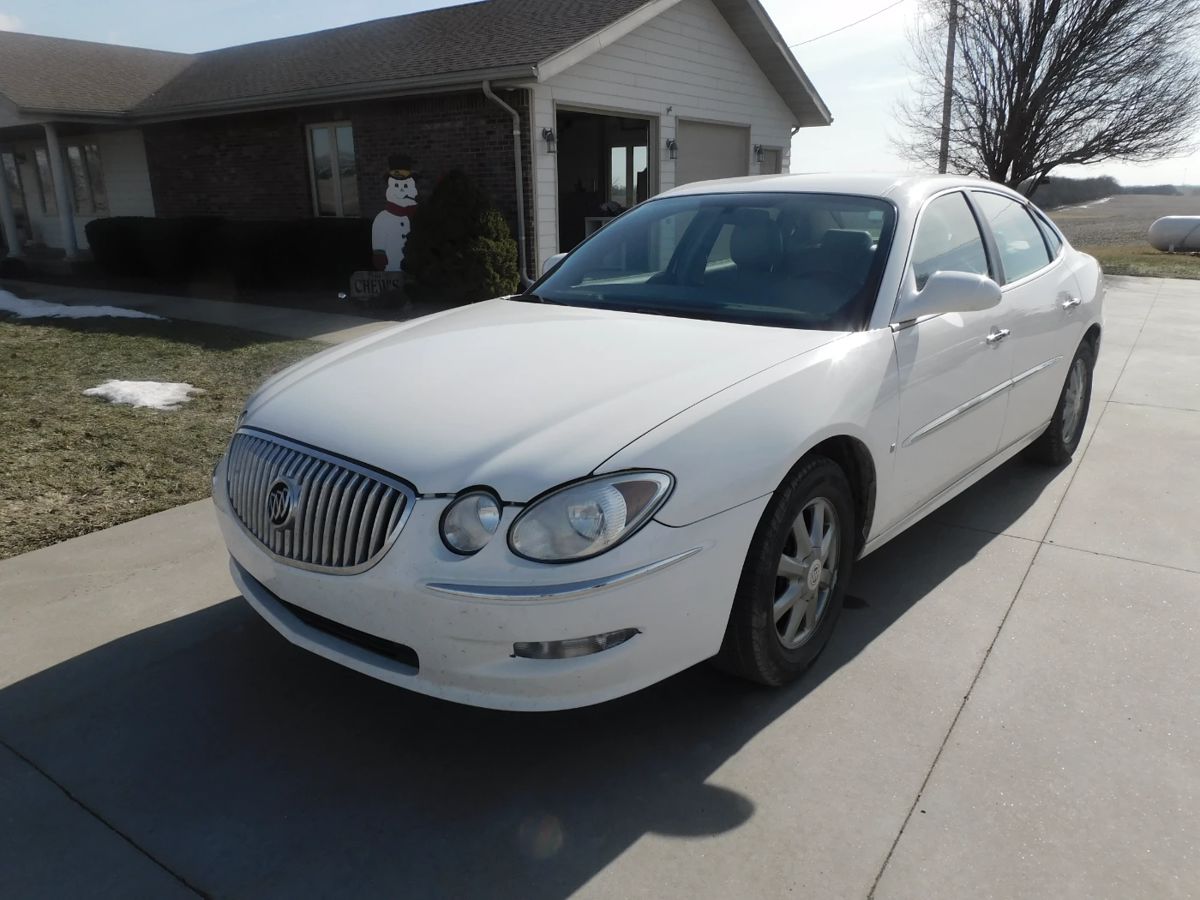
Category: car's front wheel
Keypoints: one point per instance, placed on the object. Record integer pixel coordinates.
(794, 577)
(1058, 442)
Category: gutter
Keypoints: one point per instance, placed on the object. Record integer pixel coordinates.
(520, 176)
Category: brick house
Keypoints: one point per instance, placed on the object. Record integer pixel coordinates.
(588, 105)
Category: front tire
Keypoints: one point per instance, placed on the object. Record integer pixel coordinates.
(794, 578)
(1057, 444)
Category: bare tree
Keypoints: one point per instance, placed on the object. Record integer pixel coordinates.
(1045, 83)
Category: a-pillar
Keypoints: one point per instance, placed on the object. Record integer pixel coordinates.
(8, 218)
(62, 193)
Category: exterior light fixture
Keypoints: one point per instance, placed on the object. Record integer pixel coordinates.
(673, 148)
(758, 153)
(550, 139)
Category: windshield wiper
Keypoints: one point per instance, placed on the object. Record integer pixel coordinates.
(528, 297)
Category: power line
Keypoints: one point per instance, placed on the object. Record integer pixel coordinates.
(877, 12)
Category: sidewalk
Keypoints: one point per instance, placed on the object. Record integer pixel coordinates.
(325, 328)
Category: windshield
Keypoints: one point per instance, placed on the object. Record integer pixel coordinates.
(788, 259)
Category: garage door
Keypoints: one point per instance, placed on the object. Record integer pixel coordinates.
(711, 151)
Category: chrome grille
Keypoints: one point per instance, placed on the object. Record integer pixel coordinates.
(328, 514)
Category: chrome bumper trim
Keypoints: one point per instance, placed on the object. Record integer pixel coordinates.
(556, 591)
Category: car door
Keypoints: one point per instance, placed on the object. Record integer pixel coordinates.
(1042, 294)
(953, 369)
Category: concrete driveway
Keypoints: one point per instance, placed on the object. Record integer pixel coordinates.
(1009, 708)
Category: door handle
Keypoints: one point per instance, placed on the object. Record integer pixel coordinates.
(1071, 302)
(997, 335)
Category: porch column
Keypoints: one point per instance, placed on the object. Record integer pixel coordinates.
(62, 193)
(8, 218)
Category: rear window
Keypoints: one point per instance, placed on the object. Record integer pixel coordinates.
(1022, 247)
(1053, 240)
(783, 259)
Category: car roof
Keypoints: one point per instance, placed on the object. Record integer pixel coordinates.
(910, 186)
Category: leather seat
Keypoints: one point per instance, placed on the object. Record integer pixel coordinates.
(756, 248)
(847, 253)
(756, 244)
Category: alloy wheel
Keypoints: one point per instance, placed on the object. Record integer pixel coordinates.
(807, 573)
(1073, 400)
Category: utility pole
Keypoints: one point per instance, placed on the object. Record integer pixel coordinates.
(948, 86)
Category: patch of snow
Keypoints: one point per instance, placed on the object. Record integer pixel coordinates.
(1089, 204)
(45, 309)
(154, 394)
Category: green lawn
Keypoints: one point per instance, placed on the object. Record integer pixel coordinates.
(73, 464)
(1141, 259)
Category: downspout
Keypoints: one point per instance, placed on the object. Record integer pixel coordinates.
(520, 174)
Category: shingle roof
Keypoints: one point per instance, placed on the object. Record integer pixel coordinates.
(46, 73)
(490, 38)
(440, 42)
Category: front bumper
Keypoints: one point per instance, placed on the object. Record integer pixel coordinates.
(461, 616)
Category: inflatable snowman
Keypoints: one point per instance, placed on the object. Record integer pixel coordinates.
(390, 231)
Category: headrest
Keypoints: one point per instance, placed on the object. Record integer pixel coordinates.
(843, 240)
(756, 242)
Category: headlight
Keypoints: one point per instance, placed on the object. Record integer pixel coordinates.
(470, 521)
(586, 518)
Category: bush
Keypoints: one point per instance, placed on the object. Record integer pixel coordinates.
(300, 253)
(460, 249)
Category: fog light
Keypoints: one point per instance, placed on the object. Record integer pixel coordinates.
(573, 647)
(470, 521)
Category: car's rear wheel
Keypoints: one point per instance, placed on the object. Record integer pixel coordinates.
(794, 578)
(1058, 442)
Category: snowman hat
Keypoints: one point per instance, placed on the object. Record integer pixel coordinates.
(400, 167)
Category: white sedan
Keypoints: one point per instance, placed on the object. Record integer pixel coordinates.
(672, 448)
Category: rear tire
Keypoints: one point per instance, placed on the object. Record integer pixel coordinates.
(1058, 442)
(794, 579)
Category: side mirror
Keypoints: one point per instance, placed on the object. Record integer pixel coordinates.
(552, 262)
(947, 292)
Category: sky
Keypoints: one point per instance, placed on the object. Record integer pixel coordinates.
(860, 72)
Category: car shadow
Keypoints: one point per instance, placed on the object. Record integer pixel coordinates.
(253, 768)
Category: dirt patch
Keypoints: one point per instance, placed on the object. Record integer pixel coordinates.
(1124, 219)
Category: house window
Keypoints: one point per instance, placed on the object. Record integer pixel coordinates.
(87, 180)
(772, 161)
(629, 169)
(12, 174)
(45, 181)
(333, 169)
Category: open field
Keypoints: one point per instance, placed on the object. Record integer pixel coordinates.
(74, 464)
(1114, 231)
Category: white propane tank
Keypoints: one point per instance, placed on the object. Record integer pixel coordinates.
(1175, 233)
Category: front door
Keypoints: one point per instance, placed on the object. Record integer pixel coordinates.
(954, 369)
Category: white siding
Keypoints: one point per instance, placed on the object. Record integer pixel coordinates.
(687, 60)
(126, 181)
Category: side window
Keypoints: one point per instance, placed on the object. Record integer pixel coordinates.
(1053, 241)
(1022, 250)
(948, 240)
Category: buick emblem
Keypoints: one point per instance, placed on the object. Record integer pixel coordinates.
(282, 497)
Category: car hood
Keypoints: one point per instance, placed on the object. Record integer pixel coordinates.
(516, 396)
